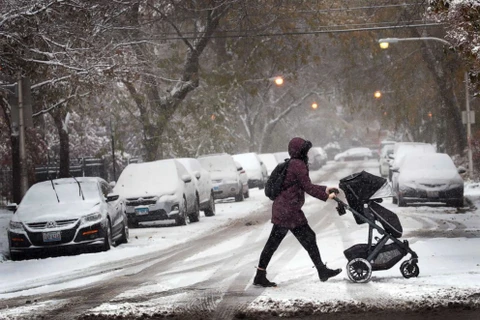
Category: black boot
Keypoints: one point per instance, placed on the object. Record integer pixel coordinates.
(324, 273)
(261, 279)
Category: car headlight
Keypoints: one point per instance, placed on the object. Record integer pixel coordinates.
(16, 226)
(94, 217)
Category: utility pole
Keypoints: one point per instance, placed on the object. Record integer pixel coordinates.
(469, 122)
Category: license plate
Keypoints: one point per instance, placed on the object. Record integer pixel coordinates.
(141, 211)
(52, 236)
(432, 194)
(216, 188)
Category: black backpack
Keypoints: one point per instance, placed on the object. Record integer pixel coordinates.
(274, 185)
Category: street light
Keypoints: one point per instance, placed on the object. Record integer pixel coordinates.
(278, 81)
(377, 94)
(314, 106)
(384, 45)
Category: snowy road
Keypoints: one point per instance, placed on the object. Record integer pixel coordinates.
(206, 269)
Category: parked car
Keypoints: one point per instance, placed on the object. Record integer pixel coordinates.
(256, 170)
(352, 154)
(384, 143)
(203, 184)
(225, 175)
(384, 161)
(323, 155)
(399, 153)
(67, 213)
(281, 156)
(400, 149)
(429, 177)
(269, 160)
(243, 179)
(315, 160)
(158, 190)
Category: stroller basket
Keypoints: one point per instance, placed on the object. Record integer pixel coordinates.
(388, 256)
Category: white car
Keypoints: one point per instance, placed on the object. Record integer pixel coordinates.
(66, 213)
(203, 184)
(323, 155)
(384, 161)
(158, 190)
(243, 179)
(430, 177)
(269, 160)
(400, 151)
(224, 174)
(256, 170)
(352, 154)
(281, 156)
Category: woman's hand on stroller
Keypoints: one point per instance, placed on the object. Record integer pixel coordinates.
(332, 192)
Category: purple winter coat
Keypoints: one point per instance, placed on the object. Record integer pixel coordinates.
(287, 207)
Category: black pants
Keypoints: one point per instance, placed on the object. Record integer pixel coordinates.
(304, 234)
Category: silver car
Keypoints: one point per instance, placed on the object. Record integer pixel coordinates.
(224, 174)
(66, 213)
(158, 190)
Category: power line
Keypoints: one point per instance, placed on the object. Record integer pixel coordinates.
(259, 35)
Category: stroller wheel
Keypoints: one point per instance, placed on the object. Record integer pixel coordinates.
(409, 269)
(359, 270)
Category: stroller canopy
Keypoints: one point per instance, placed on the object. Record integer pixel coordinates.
(359, 188)
(362, 185)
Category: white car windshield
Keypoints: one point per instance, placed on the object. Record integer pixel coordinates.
(44, 193)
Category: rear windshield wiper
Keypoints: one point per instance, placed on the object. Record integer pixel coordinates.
(53, 186)
(80, 191)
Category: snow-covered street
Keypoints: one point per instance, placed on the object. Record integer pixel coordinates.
(445, 239)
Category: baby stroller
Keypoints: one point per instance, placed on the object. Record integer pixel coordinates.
(364, 192)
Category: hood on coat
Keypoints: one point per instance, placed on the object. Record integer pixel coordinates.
(298, 148)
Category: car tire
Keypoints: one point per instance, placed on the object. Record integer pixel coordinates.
(239, 197)
(132, 223)
(456, 203)
(401, 202)
(15, 256)
(125, 234)
(394, 200)
(246, 195)
(195, 215)
(107, 242)
(261, 187)
(183, 218)
(210, 211)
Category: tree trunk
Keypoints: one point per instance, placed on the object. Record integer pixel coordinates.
(64, 153)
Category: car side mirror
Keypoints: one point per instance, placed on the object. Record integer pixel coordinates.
(391, 157)
(461, 170)
(396, 170)
(112, 197)
(186, 178)
(239, 168)
(197, 174)
(12, 207)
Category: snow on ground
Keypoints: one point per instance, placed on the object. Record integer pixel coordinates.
(449, 266)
